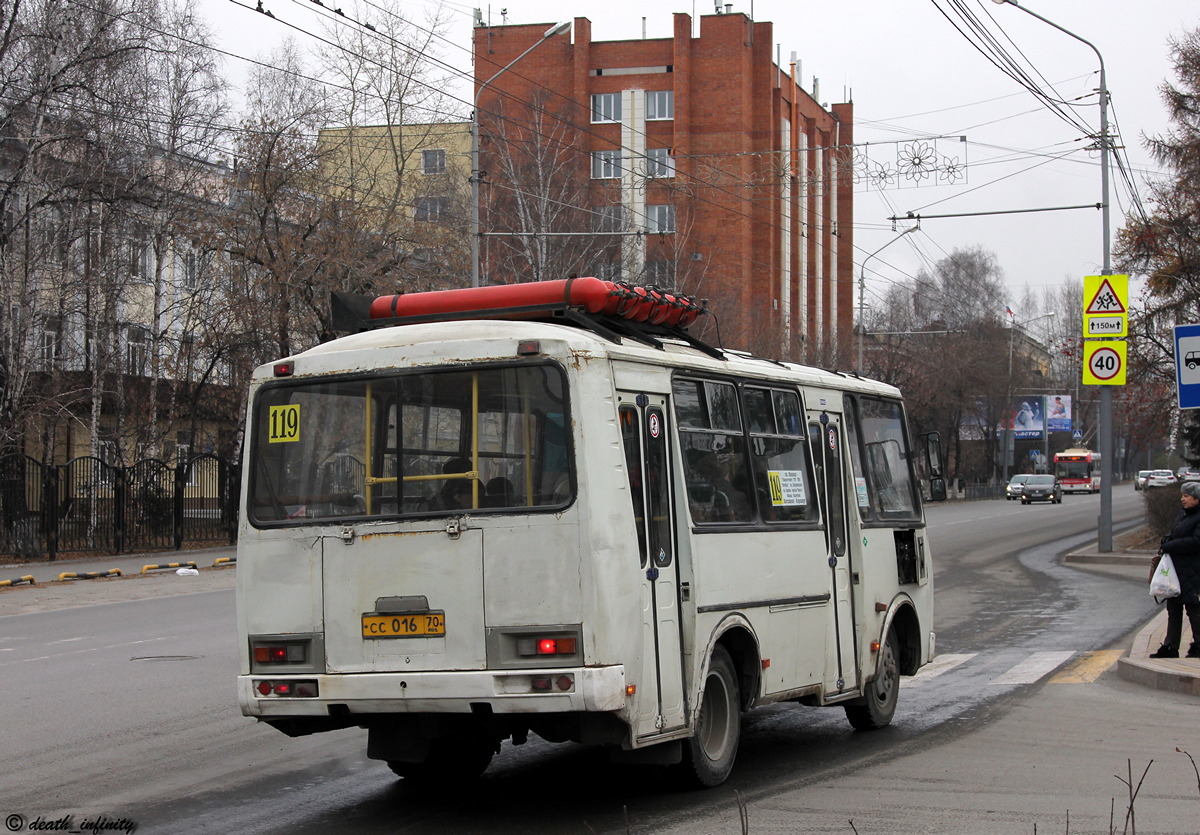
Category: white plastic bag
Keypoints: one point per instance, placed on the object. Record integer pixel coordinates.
(1165, 582)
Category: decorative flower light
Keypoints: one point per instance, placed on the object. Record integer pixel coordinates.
(916, 160)
(952, 170)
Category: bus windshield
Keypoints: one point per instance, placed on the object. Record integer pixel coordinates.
(1074, 469)
(410, 444)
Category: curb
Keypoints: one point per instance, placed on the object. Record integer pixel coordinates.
(1175, 675)
(25, 578)
(146, 569)
(88, 575)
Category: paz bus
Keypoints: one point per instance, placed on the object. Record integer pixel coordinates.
(546, 508)
(1078, 470)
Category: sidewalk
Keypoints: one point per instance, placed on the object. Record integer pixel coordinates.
(1178, 675)
(46, 572)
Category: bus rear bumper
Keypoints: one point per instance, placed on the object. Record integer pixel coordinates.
(575, 689)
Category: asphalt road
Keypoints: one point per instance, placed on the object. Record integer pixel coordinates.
(126, 710)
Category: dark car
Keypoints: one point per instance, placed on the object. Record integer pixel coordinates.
(1041, 488)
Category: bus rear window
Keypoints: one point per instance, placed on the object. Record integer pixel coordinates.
(484, 440)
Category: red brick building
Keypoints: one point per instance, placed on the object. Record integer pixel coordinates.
(693, 163)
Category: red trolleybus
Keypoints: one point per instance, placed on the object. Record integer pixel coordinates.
(547, 509)
(1078, 470)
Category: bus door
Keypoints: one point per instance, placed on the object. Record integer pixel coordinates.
(841, 667)
(659, 703)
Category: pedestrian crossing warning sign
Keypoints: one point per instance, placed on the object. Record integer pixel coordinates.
(1105, 305)
(1105, 298)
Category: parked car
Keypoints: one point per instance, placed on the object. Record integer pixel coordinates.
(1161, 478)
(1139, 480)
(1041, 488)
(1013, 490)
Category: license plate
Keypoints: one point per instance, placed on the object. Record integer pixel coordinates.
(420, 625)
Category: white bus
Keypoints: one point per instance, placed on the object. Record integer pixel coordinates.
(458, 532)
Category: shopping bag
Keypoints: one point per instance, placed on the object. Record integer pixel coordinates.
(1165, 582)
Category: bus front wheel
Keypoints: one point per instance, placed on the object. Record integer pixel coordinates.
(876, 708)
(710, 752)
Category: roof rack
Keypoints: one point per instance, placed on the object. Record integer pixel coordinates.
(610, 309)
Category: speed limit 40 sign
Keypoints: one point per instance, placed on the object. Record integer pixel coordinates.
(1104, 362)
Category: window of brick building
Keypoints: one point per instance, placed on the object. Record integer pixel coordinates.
(608, 218)
(606, 165)
(660, 218)
(660, 104)
(660, 274)
(659, 163)
(606, 107)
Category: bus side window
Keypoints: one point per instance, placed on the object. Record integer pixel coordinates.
(884, 476)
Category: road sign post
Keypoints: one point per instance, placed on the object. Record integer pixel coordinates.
(1105, 314)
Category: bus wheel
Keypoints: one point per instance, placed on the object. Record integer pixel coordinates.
(709, 754)
(450, 759)
(876, 708)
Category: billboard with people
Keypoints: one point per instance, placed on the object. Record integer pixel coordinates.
(1058, 413)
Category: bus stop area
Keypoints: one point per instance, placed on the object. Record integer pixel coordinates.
(1179, 675)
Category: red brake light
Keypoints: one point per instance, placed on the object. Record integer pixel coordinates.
(284, 369)
(547, 646)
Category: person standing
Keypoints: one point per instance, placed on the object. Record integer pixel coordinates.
(1183, 544)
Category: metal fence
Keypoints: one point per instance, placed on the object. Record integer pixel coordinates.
(87, 505)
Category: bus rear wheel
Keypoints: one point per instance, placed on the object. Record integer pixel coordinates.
(709, 754)
(876, 708)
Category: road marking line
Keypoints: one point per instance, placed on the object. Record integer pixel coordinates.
(1033, 667)
(939, 665)
(1089, 667)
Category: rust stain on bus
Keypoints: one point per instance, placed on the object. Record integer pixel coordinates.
(580, 354)
(393, 534)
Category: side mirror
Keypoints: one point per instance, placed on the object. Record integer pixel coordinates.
(937, 489)
(933, 454)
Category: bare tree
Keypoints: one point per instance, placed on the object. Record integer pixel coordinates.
(948, 356)
(65, 85)
(180, 124)
(536, 196)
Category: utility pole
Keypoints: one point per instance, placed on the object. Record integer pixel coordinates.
(1104, 522)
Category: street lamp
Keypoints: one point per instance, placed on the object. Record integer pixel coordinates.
(556, 29)
(862, 291)
(1104, 526)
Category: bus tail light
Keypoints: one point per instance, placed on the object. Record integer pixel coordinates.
(533, 646)
(293, 653)
(540, 648)
(548, 684)
(281, 653)
(290, 689)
